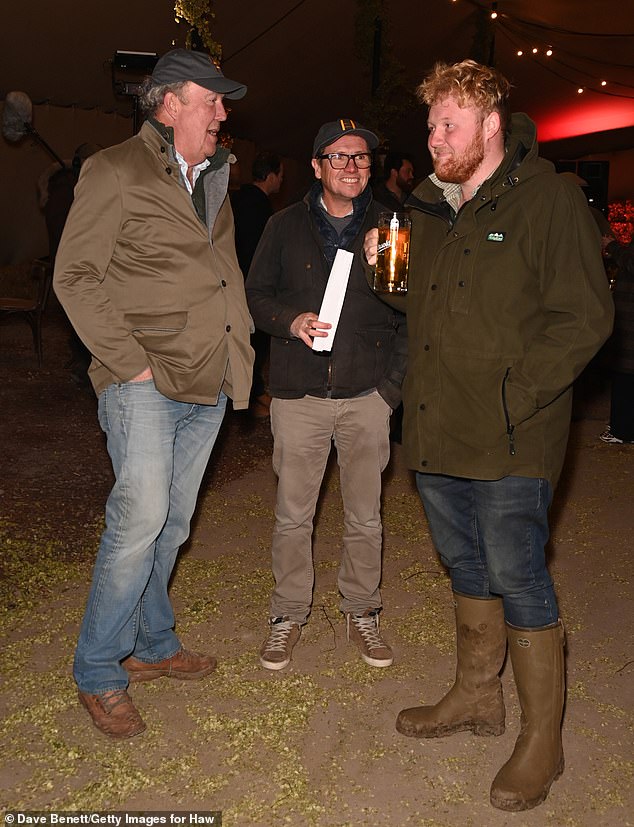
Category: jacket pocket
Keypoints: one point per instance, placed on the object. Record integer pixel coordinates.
(472, 400)
(295, 369)
(163, 335)
(371, 357)
(510, 428)
(173, 322)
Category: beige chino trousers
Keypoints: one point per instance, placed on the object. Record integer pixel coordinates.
(303, 431)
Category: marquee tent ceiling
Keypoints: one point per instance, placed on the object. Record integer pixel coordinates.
(299, 61)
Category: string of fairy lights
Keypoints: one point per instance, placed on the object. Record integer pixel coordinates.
(530, 39)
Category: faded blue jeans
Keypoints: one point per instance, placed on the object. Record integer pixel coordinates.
(159, 450)
(491, 535)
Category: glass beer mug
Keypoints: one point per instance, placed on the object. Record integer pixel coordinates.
(392, 261)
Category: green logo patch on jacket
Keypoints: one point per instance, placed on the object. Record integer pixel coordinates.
(496, 236)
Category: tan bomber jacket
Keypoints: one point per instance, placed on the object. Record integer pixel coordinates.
(145, 282)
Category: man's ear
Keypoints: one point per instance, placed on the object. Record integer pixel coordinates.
(170, 104)
(492, 125)
(317, 167)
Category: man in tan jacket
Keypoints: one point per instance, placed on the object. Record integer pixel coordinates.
(148, 275)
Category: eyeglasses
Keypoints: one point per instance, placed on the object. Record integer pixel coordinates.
(340, 160)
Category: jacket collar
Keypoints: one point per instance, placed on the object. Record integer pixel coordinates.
(208, 196)
(521, 146)
(331, 241)
(359, 204)
(166, 140)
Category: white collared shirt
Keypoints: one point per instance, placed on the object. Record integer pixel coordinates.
(196, 169)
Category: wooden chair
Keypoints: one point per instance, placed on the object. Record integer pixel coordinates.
(32, 307)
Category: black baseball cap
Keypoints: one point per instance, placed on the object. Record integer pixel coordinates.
(184, 64)
(333, 130)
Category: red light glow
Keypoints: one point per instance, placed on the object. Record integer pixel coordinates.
(585, 116)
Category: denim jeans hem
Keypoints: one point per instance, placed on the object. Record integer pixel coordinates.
(159, 660)
(477, 596)
(534, 628)
(101, 690)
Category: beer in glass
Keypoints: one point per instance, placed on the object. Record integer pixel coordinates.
(390, 274)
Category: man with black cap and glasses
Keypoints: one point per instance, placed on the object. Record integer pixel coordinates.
(343, 395)
(148, 275)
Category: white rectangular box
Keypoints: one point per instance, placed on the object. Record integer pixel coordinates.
(332, 302)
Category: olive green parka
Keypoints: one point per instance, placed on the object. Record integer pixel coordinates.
(508, 301)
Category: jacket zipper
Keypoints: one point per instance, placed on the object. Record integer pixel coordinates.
(509, 428)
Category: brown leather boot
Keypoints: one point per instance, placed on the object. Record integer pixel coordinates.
(537, 656)
(184, 665)
(113, 713)
(475, 700)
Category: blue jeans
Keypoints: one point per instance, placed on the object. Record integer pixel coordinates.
(159, 450)
(491, 535)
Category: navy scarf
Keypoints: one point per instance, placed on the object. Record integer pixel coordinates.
(332, 241)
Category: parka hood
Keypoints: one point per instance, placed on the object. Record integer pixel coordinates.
(520, 163)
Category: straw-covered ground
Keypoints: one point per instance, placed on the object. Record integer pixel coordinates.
(314, 744)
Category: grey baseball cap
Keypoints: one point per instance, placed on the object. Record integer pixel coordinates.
(333, 130)
(186, 65)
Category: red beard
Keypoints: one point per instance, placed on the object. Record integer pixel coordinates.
(456, 170)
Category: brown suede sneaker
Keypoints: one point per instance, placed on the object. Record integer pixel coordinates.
(276, 651)
(363, 629)
(113, 713)
(184, 665)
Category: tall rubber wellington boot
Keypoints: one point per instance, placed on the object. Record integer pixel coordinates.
(537, 656)
(475, 700)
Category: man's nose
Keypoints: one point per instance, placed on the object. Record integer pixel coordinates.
(221, 112)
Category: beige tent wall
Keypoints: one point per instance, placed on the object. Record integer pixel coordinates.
(23, 235)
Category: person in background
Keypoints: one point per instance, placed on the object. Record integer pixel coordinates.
(507, 302)
(397, 181)
(56, 199)
(252, 208)
(147, 272)
(620, 348)
(344, 395)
